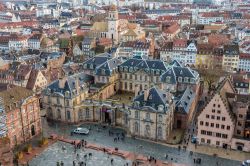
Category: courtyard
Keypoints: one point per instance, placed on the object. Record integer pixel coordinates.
(100, 135)
(64, 153)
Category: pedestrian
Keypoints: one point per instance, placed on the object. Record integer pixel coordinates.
(194, 160)
(191, 153)
(217, 163)
(62, 163)
(90, 155)
(74, 163)
(112, 160)
(77, 156)
(155, 161)
(166, 156)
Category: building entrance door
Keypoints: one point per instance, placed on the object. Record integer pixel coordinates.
(178, 124)
(107, 117)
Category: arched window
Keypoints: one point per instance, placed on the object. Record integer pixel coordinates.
(159, 132)
(87, 113)
(58, 114)
(68, 115)
(80, 114)
(160, 118)
(148, 116)
(50, 113)
(136, 114)
(136, 127)
(147, 131)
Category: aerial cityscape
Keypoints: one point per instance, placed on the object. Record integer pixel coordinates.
(124, 82)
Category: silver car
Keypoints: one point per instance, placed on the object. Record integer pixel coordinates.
(246, 163)
(83, 131)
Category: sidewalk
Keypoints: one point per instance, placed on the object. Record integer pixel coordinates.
(208, 150)
(223, 153)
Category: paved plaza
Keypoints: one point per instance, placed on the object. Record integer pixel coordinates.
(56, 153)
(101, 136)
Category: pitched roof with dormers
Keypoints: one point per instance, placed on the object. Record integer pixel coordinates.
(174, 72)
(71, 84)
(107, 68)
(155, 98)
(133, 65)
(95, 62)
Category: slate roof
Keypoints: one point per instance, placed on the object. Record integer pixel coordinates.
(174, 72)
(94, 62)
(142, 64)
(108, 67)
(70, 84)
(156, 97)
(185, 101)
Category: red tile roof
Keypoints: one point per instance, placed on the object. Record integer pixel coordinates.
(10, 25)
(245, 56)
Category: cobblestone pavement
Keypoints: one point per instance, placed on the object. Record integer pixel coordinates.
(55, 154)
(139, 146)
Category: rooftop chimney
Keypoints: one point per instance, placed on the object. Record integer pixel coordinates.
(146, 93)
(62, 82)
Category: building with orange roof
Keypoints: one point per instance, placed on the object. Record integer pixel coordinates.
(171, 31)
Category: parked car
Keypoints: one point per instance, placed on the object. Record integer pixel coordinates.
(83, 131)
(246, 163)
(194, 140)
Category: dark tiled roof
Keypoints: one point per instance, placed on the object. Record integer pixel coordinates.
(147, 65)
(95, 62)
(154, 99)
(108, 67)
(70, 84)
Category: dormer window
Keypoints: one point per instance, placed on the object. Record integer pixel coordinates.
(185, 79)
(160, 118)
(103, 71)
(192, 80)
(168, 79)
(179, 79)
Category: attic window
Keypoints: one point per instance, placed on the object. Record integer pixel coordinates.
(179, 79)
(103, 71)
(181, 72)
(168, 79)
